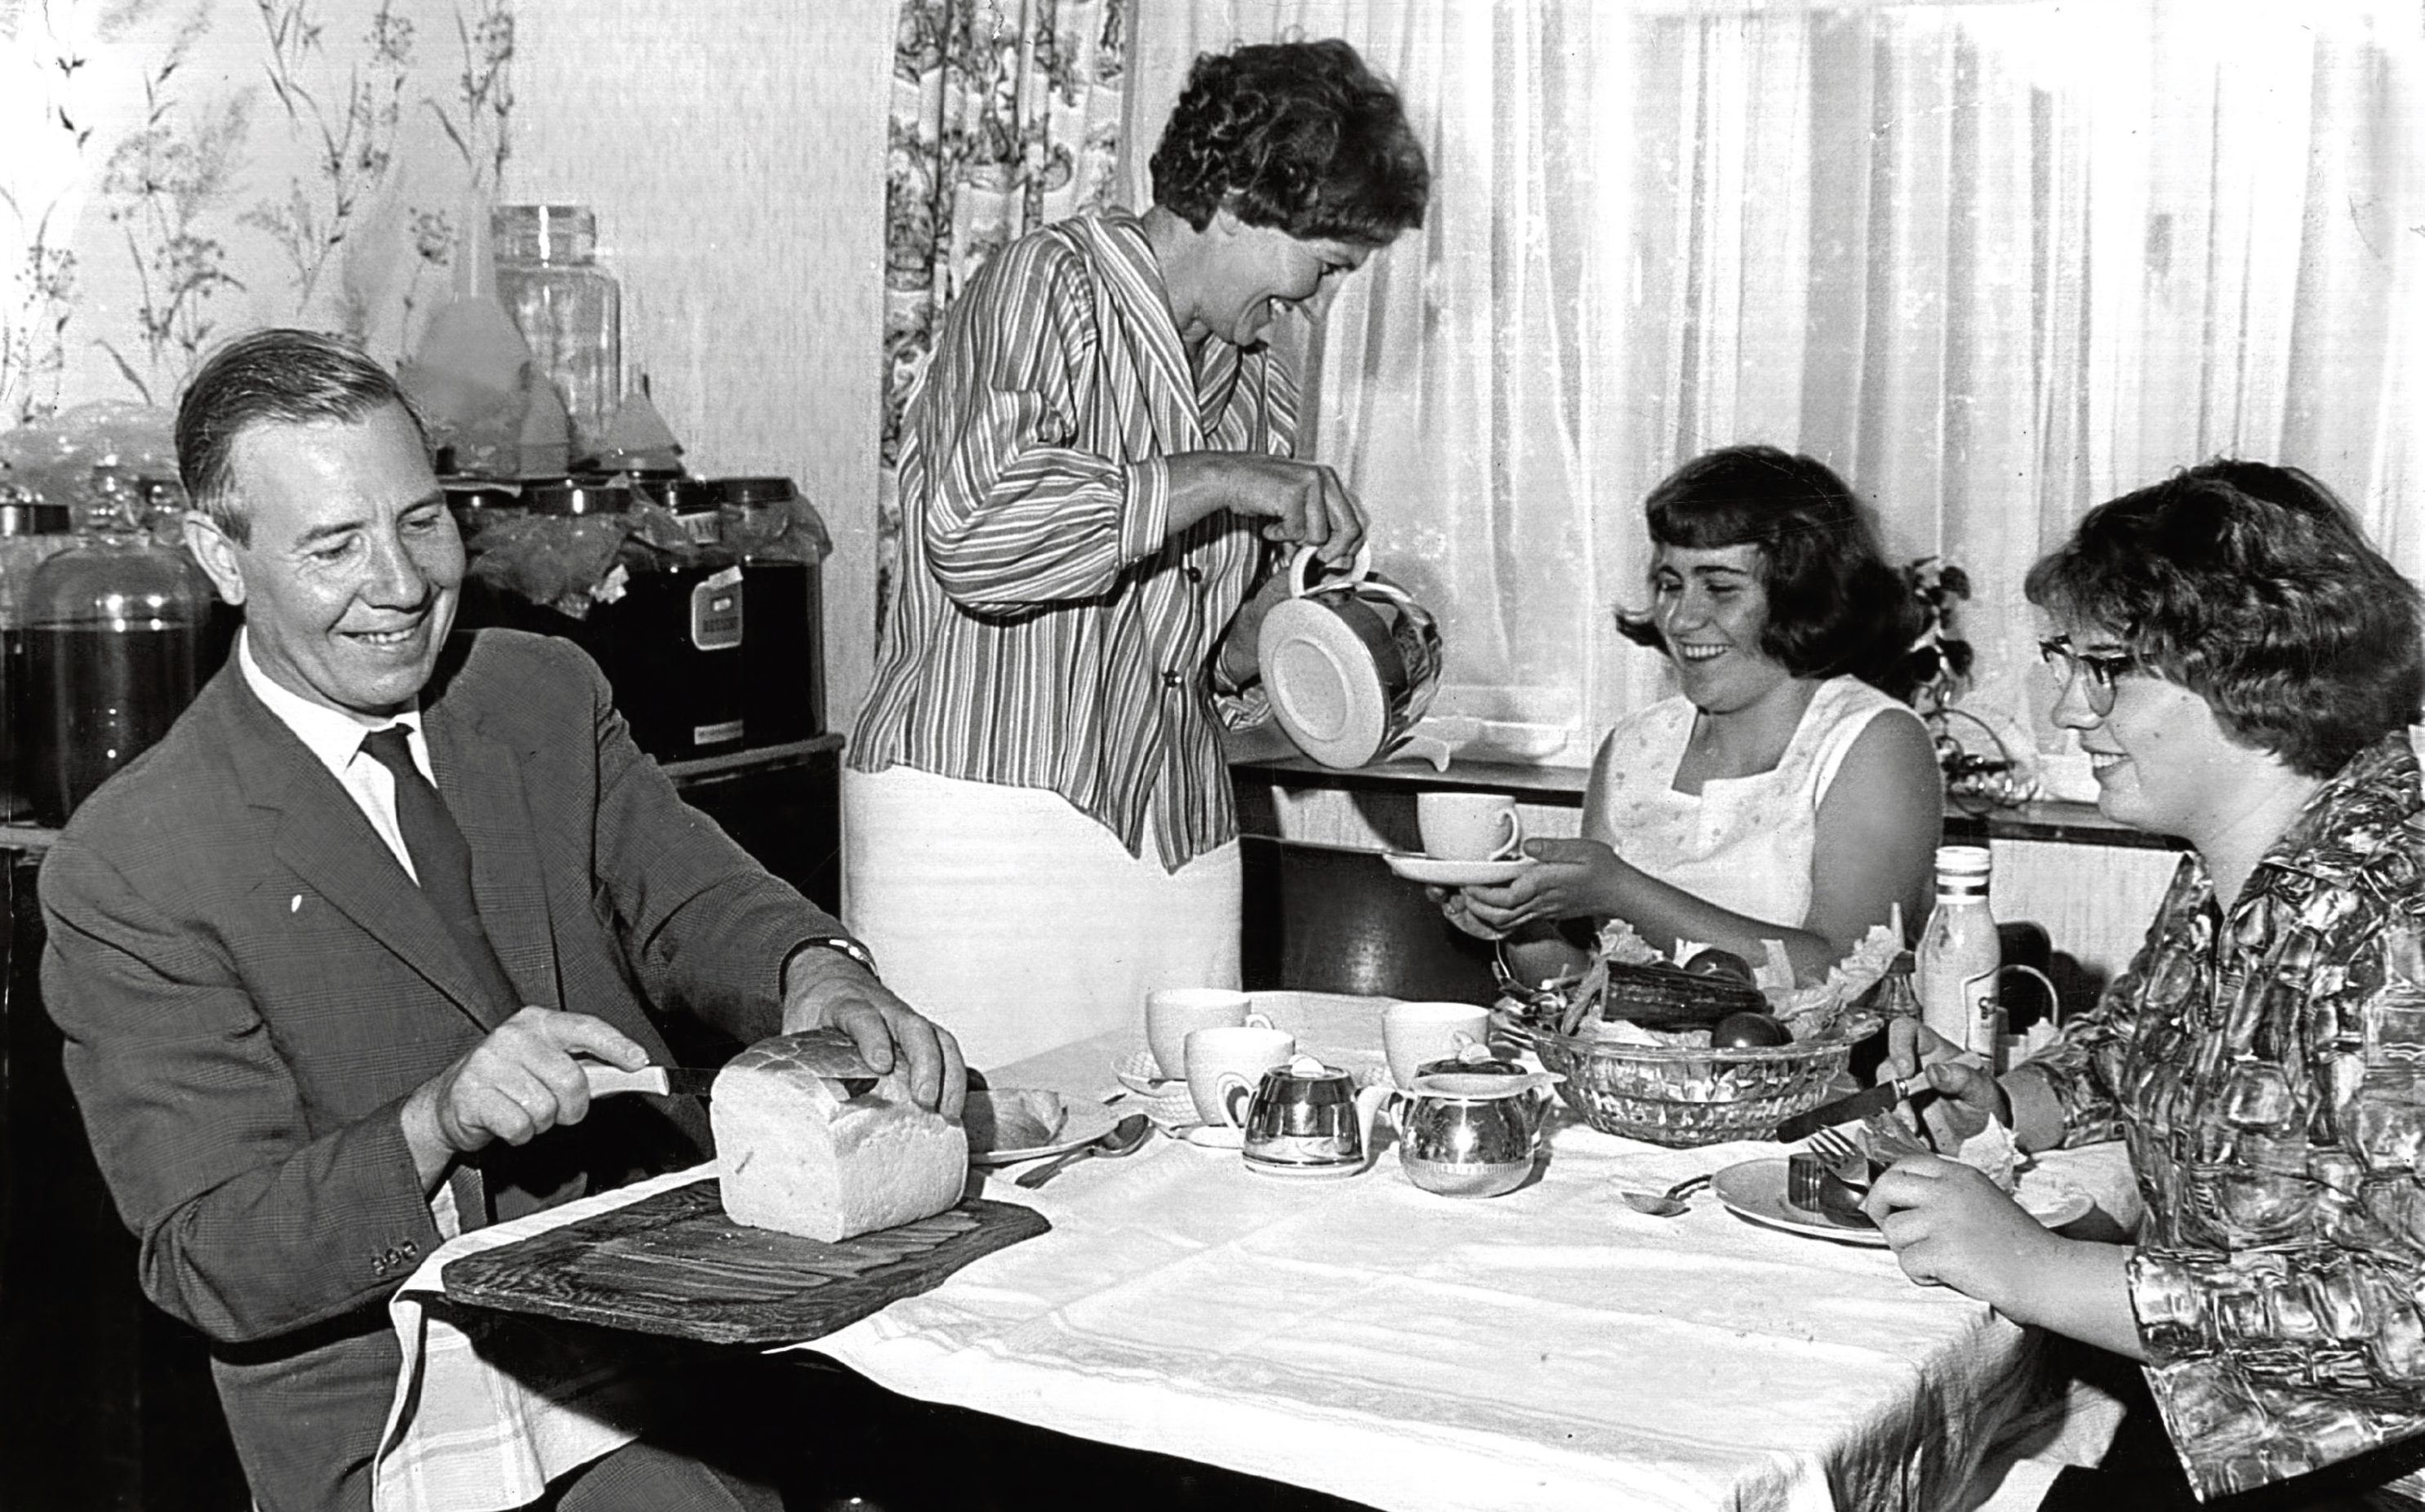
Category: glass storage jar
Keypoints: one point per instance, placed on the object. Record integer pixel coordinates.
(782, 644)
(111, 634)
(568, 309)
(30, 533)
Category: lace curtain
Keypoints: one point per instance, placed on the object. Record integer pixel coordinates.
(1005, 118)
(1994, 262)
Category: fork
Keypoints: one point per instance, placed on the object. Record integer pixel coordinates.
(1844, 1159)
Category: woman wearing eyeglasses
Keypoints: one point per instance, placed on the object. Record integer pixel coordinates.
(2241, 665)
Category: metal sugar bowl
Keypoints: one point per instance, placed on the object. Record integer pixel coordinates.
(1471, 1133)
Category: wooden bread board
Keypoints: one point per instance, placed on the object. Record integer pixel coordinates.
(673, 1263)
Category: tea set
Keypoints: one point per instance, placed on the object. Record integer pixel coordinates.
(1464, 1133)
(1467, 1122)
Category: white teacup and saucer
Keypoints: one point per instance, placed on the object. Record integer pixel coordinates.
(1469, 840)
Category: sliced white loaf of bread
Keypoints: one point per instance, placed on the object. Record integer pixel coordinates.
(798, 1156)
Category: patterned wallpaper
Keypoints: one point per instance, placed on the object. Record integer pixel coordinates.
(181, 169)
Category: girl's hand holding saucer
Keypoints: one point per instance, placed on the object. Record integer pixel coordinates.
(1453, 905)
(1567, 878)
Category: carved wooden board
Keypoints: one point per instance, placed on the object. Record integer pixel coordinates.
(673, 1263)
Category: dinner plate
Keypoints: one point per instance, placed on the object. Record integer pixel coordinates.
(1755, 1190)
(1081, 1122)
(1432, 873)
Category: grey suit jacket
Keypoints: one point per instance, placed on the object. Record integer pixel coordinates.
(250, 987)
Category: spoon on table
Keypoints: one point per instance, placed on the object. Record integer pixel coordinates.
(1665, 1204)
(1122, 1138)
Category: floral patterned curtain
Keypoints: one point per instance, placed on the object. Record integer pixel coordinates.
(1005, 118)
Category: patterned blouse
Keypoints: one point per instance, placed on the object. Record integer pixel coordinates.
(1050, 631)
(2267, 1066)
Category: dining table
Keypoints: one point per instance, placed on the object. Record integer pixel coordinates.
(1550, 1347)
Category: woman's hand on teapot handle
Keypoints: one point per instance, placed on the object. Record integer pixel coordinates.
(1567, 878)
(1302, 503)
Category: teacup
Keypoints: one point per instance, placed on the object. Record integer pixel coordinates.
(1173, 1013)
(1469, 827)
(1225, 1063)
(1414, 1035)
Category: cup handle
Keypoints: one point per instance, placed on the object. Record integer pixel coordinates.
(1369, 1102)
(2055, 999)
(1306, 567)
(1513, 846)
(1258, 1020)
(1546, 1104)
(1228, 1089)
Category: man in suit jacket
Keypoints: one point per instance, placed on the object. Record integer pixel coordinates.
(301, 1068)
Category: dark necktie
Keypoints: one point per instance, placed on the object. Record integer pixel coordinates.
(443, 863)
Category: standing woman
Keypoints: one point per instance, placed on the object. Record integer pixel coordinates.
(2240, 664)
(1098, 462)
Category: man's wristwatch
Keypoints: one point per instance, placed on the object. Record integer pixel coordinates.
(842, 944)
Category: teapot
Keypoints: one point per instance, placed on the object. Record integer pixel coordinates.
(1350, 661)
(1470, 1132)
(1305, 1115)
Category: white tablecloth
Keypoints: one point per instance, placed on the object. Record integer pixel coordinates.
(1550, 1348)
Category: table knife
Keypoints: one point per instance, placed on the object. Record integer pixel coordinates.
(1846, 1110)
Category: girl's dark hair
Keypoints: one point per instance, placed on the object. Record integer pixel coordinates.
(1835, 607)
(1299, 136)
(2253, 586)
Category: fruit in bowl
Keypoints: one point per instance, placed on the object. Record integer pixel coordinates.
(1749, 1031)
(1711, 961)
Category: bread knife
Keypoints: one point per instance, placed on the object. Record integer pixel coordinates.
(828, 1052)
(665, 1081)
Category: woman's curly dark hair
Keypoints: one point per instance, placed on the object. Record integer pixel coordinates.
(1299, 136)
(2253, 586)
(1835, 607)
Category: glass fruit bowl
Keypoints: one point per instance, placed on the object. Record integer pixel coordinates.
(1680, 1094)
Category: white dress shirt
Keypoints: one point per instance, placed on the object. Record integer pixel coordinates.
(336, 739)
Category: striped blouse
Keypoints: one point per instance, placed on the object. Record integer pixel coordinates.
(1050, 631)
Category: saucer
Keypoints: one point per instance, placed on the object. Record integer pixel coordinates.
(1432, 872)
(1306, 1173)
(1142, 1074)
(1217, 1137)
